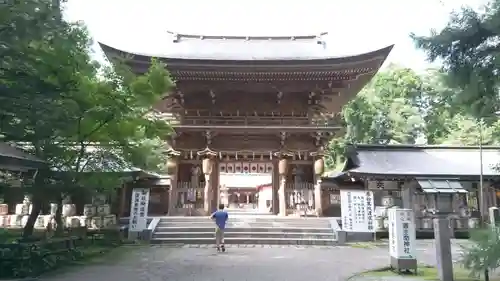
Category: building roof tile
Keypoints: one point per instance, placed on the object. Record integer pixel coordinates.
(430, 161)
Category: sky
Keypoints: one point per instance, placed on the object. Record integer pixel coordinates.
(353, 26)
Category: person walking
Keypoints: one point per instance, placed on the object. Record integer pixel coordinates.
(220, 218)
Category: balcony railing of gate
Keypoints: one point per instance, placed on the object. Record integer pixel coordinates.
(251, 120)
(187, 193)
(299, 195)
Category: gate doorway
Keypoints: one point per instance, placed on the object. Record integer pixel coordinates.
(246, 185)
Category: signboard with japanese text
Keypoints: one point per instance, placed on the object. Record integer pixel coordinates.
(357, 208)
(402, 233)
(139, 209)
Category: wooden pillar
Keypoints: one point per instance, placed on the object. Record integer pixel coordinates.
(319, 168)
(208, 168)
(275, 188)
(123, 198)
(282, 169)
(172, 171)
(215, 194)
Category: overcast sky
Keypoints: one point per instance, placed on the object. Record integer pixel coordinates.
(354, 26)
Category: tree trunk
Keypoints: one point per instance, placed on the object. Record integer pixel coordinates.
(30, 224)
(37, 202)
(58, 218)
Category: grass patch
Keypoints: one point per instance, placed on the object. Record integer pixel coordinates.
(428, 273)
(93, 255)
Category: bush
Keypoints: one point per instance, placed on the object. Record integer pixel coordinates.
(483, 255)
(23, 258)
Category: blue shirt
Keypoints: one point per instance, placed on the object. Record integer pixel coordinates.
(220, 218)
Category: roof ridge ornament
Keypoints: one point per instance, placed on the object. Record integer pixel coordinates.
(319, 37)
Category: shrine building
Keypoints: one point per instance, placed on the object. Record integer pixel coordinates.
(261, 106)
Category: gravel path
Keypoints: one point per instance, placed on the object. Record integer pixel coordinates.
(244, 262)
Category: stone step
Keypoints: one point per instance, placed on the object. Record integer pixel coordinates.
(248, 235)
(244, 226)
(244, 240)
(244, 229)
(232, 220)
(251, 217)
(242, 220)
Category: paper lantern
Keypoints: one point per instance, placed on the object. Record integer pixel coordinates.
(207, 166)
(319, 166)
(283, 166)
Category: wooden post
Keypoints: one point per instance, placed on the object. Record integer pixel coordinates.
(207, 171)
(208, 168)
(282, 169)
(319, 168)
(123, 200)
(172, 171)
(215, 184)
(275, 188)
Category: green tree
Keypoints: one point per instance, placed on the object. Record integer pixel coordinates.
(468, 47)
(483, 254)
(63, 105)
(390, 109)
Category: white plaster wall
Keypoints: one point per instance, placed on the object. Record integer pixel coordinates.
(244, 180)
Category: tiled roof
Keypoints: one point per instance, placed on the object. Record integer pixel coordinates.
(251, 48)
(15, 157)
(433, 161)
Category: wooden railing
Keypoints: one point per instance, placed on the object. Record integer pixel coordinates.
(188, 194)
(297, 194)
(251, 121)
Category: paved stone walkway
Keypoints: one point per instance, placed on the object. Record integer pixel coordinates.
(244, 262)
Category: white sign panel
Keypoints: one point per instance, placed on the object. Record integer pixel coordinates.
(401, 233)
(139, 209)
(357, 208)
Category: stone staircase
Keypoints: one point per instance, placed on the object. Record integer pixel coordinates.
(246, 229)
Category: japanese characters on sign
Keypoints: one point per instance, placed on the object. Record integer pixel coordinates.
(357, 210)
(139, 209)
(401, 233)
(392, 233)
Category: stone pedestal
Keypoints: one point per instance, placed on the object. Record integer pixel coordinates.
(442, 234)
(406, 196)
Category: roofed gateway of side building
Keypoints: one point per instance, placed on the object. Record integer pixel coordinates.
(265, 106)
